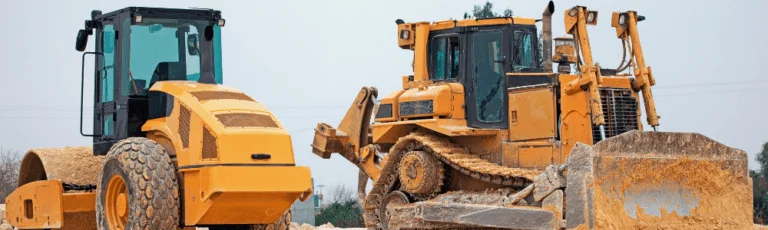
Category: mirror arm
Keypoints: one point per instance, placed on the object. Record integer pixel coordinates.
(82, 86)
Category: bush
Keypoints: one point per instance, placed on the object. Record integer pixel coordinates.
(9, 172)
(342, 211)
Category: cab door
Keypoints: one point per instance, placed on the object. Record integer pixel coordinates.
(485, 85)
(105, 101)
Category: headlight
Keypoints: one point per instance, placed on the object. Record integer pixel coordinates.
(405, 34)
(222, 22)
(138, 18)
(591, 16)
(622, 19)
(573, 12)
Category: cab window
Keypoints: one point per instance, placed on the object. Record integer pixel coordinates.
(523, 51)
(107, 70)
(444, 58)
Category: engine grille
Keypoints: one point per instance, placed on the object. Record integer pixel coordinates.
(210, 149)
(246, 120)
(184, 116)
(620, 111)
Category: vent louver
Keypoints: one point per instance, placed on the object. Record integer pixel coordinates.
(184, 117)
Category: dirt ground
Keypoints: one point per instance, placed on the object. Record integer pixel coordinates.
(294, 226)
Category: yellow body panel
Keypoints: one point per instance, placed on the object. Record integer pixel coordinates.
(575, 117)
(236, 144)
(441, 25)
(389, 132)
(242, 194)
(440, 95)
(393, 99)
(447, 98)
(532, 113)
(531, 154)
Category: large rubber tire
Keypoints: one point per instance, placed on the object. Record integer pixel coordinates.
(282, 223)
(150, 185)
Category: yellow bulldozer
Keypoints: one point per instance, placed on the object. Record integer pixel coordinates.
(485, 134)
(172, 147)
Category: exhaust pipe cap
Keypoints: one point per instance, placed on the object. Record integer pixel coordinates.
(551, 7)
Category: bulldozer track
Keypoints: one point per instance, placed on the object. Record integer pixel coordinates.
(450, 154)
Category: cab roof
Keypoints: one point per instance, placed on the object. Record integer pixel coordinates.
(447, 24)
(152, 12)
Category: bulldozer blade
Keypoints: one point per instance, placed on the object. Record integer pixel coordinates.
(471, 215)
(441, 215)
(658, 180)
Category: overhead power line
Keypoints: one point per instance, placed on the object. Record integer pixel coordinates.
(709, 84)
(713, 92)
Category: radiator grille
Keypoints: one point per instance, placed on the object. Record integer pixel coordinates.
(218, 95)
(184, 126)
(210, 150)
(423, 107)
(620, 111)
(246, 120)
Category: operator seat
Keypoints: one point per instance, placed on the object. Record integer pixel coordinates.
(169, 71)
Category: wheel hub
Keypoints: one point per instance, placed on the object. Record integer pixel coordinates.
(116, 202)
(393, 198)
(122, 204)
(420, 173)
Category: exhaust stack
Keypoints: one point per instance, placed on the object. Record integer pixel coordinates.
(546, 30)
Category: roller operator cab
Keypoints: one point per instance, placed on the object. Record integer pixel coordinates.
(172, 147)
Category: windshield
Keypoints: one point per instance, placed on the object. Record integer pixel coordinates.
(172, 49)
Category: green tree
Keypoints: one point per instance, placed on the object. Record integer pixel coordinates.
(342, 211)
(760, 187)
(486, 11)
(762, 158)
(759, 198)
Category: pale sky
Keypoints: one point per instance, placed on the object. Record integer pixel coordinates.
(306, 60)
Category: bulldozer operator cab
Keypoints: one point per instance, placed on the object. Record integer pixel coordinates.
(478, 54)
(137, 47)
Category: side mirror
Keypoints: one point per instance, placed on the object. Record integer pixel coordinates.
(193, 44)
(82, 40)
